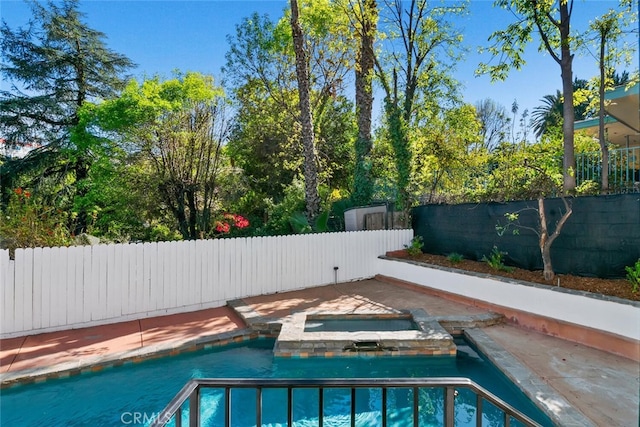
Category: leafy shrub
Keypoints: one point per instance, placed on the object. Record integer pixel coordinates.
(633, 275)
(161, 233)
(415, 248)
(279, 214)
(588, 188)
(28, 223)
(300, 223)
(496, 260)
(455, 258)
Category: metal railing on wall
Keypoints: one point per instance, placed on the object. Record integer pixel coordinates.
(187, 409)
(624, 169)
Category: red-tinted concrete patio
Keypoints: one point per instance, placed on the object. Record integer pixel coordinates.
(80, 345)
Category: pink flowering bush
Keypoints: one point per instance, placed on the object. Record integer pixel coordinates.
(231, 222)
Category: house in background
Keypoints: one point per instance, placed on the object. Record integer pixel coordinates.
(622, 131)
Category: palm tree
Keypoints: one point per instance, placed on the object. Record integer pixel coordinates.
(548, 115)
(306, 120)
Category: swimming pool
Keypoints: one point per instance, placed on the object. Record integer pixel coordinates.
(131, 394)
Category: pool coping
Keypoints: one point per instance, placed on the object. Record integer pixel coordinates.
(454, 324)
(99, 363)
(539, 392)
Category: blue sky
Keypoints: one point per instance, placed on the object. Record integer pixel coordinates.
(161, 36)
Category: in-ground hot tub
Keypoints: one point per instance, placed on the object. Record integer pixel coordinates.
(354, 322)
(410, 332)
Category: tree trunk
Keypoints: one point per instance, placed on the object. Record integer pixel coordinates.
(566, 61)
(173, 197)
(547, 240)
(193, 213)
(400, 144)
(547, 271)
(81, 171)
(363, 185)
(545, 248)
(604, 178)
(402, 155)
(306, 119)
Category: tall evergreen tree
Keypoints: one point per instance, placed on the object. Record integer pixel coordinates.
(493, 123)
(55, 65)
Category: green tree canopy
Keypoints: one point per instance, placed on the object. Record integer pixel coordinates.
(53, 66)
(550, 21)
(179, 126)
(417, 77)
(494, 123)
(266, 137)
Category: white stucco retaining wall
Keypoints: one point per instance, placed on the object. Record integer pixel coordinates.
(614, 317)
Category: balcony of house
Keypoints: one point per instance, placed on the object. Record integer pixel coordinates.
(622, 133)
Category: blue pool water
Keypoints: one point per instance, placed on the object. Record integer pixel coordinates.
(133, 393)
(345, 325)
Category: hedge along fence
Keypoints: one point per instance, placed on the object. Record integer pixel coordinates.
(601, 237)
(48, 289)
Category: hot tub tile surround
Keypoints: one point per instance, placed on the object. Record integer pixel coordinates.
(430, 338)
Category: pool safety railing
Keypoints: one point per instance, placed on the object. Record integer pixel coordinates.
(191, 393)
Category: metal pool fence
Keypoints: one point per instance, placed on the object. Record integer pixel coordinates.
(190, 395)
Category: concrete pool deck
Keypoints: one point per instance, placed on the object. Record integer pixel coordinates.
(602, 386)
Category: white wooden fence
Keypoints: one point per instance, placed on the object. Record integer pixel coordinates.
(48, 289)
